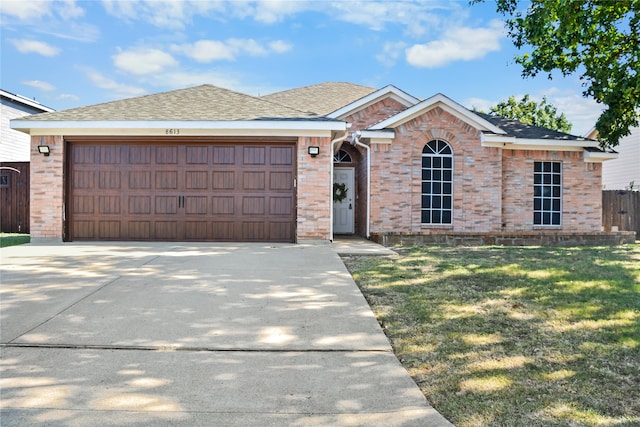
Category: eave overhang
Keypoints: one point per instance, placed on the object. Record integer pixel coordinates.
(384, 136)
(291, 127)
(590, 148)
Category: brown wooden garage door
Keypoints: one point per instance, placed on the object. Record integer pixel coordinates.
(182, 191)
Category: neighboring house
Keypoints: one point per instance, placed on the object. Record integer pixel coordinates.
(621, 173)
(14, 162)
(206, 163)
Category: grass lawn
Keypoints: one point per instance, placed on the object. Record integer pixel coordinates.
(10, 239)
(530, 336)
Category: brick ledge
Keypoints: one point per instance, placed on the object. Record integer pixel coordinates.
(528, 238)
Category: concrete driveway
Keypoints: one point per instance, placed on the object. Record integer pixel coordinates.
(194, 335)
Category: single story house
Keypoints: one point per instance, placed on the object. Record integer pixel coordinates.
(210, 164)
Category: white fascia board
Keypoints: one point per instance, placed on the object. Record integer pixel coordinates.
(513, 143)
(387, 91)
(372, 134)
(26, 101)
(239, 127)
(447, 104)
(599, 156)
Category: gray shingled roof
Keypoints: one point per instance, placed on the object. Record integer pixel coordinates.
(522, 130)
(206, 103)
(320, 99)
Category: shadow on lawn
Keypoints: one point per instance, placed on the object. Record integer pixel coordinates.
(516, 336)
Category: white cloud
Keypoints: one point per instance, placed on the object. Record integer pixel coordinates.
(34, 46)
(280, 46)
(170, 14)
(391, 51)
(479, 104)
(38, 84)
(458, 44)
(26, 10)
(143, 61)
(117, 90)
(214, 50)
(68, 9)
(418, 17)
(68, 96)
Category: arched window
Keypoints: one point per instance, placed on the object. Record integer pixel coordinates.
(437, 183)
(342, 157)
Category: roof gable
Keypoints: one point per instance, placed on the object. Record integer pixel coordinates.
(448, 105)
(388, 91)
(320, 99)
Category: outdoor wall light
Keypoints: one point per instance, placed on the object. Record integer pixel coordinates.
(44, 149)
(314, 150)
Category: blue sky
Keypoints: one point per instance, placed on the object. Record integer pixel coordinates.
(72, 53)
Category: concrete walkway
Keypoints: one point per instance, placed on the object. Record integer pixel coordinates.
(194, 335)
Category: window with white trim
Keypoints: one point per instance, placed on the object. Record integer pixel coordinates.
(547, 193)
(437, 183)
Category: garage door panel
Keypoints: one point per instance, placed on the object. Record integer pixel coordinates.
(196, 180)
(109, 230)
(253, 180)
(206, 191)
(109, 180)
(195, 205)
(254, 155)
(166, 181)
(225, 155)
(166, 205)
(82, 205)
(109, 204)
(281, 181)
(223, 180)
(223, 205)
(166, 230)
(281, 156)
(139, 230)
(110, 155)
(140, 180)
(139, 205)
(196, 230)
(140, 154)
(83, 229)
(197, 155)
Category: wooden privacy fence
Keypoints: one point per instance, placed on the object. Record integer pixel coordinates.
(621, 208)
(14, 197)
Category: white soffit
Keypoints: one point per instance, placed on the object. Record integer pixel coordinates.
(447, 104)
(387, 91)
(599, 156)
(185, 128)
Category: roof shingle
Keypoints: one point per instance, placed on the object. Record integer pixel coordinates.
(205, 102)
(320, 99)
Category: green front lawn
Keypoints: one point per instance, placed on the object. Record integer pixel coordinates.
(11, 239)
(498, 336)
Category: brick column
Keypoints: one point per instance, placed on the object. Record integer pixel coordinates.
(314, 182)
(46, 189)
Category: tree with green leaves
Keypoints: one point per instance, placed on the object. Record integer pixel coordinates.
(599, 39)
(528, 111)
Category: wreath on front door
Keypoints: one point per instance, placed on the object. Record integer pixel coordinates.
(339, 192)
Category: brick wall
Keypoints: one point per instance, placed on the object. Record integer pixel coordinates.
(47, 189)
(581, 194)
(493, 188)
(374, 113)
(397, 169)
(314, 195)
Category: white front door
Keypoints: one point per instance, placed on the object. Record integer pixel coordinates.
(343, 217)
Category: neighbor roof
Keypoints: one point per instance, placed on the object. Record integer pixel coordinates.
(200, 103)
(320, 99)
(525, 131)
